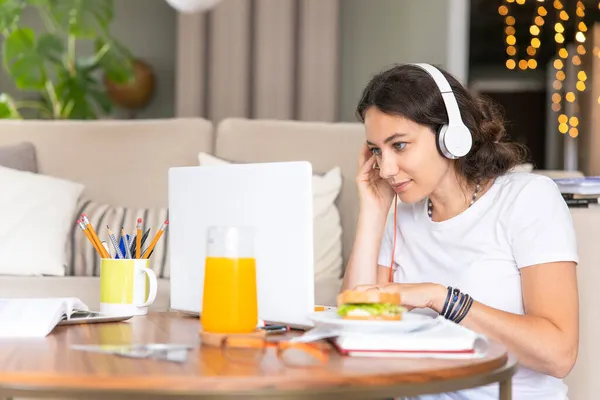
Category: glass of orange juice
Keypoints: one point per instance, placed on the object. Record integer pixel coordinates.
(229, 302)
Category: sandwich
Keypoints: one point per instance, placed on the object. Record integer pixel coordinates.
(369, 305)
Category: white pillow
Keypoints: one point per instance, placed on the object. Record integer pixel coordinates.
(326, 219)
(36, 214)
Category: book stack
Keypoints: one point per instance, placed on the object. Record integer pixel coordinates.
(444, 340)
(579, 192)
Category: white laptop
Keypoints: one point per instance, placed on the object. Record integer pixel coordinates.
(275, 199)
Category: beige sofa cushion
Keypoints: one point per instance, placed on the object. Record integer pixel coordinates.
(324, 145)
(120, 162)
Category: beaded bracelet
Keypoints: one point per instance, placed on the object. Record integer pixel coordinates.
(462, 301)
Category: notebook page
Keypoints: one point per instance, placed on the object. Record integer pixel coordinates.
(26, 318)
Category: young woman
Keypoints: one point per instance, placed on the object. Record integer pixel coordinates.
(465, 226)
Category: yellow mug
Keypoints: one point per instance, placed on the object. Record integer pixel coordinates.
(127, 286)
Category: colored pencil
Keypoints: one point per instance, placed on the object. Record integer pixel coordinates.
(88, 235)
(113, 239)
(94, 236)
(155, 240)
(138, 247)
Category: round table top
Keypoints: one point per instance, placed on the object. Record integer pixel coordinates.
(49, 367)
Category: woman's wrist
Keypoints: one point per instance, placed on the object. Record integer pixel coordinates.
(438, 297)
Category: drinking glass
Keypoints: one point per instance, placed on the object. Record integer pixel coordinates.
(229, 302)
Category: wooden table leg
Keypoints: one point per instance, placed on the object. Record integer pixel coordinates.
(506, 390)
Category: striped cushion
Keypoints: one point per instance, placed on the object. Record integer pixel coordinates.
(83, 259)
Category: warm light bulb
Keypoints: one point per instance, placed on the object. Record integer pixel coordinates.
(558, 64)
(581, 49)
(573, 132)
(563, 128)
(535, 42)
(510, 39)
(558, 4)
(511, 50)
(582, 26)
(523, 64)
(580, 37)
(531, 50)
(556, 98)
(511, 64)
(502, 10)
(510, 30)
(563, 53)
(576, 60)
(557, 85)
(581, 75)
(534, 30)
(570, 97)
(558, 27)
(560, 75)
(559, 38)
(556, 107)
(564, 15)
(580, 86)
(562, 119)
(510, 20)
(532, 63)
(539, 21)
(542, 11)
(573, 121)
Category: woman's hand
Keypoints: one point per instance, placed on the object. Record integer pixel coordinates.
(414, 295)
(372, 189)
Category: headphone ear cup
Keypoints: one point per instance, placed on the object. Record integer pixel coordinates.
(440, 136)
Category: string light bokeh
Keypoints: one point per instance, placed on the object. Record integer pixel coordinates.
(563, 94)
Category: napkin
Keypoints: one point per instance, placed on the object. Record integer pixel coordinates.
(444, 339)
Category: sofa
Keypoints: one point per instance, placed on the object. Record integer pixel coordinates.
(125, 163)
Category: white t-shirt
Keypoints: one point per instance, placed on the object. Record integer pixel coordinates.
(520, 221)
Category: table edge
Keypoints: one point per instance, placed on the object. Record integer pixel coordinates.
(500, 374)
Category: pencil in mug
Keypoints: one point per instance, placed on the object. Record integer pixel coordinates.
(88, 235)
(138, 238)
(162, 229)
(88, 225)
(126, 242)
(112, 238)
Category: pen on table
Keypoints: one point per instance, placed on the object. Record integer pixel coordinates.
(155, 240)
(112, 238)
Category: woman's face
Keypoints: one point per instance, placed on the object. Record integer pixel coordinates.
(406, 153)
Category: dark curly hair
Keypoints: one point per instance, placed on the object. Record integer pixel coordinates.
(408, 91)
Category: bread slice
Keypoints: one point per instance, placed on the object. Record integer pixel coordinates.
(367, 297)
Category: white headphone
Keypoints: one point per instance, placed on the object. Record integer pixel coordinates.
(454, 139)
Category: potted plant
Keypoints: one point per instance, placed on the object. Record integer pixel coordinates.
(67, 85)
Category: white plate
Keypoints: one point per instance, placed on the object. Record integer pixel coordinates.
(410, 322)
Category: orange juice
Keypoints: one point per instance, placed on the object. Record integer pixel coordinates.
(229, 303)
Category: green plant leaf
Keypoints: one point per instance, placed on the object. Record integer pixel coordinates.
(10, 11)
(50, 47)
(7, 108)
(22, 60)
(117, 61)
(82, 18)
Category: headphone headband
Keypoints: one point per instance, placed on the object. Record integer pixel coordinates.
(455, 138)
(454, 118)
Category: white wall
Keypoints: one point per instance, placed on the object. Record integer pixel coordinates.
(148, 29)
(378, 33)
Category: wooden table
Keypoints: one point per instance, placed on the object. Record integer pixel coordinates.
(49, 368)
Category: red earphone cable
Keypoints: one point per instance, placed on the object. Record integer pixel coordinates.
(391, 277)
